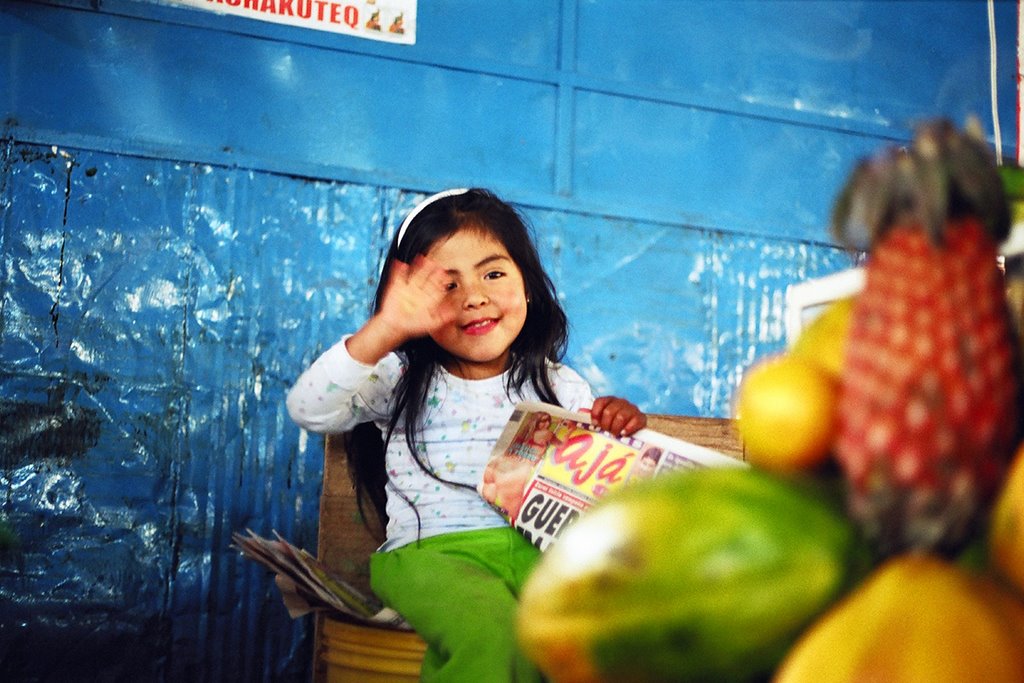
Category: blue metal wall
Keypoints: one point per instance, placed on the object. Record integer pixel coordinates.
(193, 205)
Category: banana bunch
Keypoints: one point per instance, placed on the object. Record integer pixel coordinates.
(919, 617)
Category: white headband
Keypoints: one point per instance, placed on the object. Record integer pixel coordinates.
(424, 204)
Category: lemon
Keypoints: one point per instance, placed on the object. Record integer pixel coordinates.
(823, 341)
(785, 412)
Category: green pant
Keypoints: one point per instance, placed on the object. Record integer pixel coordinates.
(459, 591)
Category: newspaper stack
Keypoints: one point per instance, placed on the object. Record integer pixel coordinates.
(550, 464)
(306, 585)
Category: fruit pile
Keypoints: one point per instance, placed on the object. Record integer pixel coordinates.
(879, 534)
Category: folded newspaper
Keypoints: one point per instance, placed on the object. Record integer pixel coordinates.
(550, 464)
(307, 585)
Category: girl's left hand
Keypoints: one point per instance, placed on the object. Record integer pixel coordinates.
(617, 415)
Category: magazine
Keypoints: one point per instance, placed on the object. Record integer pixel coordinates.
(306, 585)
(550, 464)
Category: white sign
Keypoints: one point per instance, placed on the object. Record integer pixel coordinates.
(392, 21)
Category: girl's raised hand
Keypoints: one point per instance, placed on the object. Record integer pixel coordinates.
(617, 415)
(414, 301)
(414, 305)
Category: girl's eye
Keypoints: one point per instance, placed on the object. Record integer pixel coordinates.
(450, 286)
(494, 275)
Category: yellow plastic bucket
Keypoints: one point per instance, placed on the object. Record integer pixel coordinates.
(353, 652)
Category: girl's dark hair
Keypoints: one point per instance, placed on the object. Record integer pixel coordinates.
(543, 338)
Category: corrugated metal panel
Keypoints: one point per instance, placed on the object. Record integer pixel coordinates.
(194, 93)
(624, 109)
(154, 314)
(860, 66)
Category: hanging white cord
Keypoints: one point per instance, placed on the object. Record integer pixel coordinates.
(1020, 60)
(996, 134)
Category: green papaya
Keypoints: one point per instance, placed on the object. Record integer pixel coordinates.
(703, 575)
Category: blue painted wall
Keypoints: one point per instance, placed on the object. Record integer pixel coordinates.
(192, 206)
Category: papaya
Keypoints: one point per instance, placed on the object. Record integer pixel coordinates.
(700, 575)
(1006, 528)
(916, 618)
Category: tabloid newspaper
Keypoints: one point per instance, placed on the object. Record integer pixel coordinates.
(550, 464)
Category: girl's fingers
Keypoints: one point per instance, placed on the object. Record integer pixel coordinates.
(635, 423)
(619, 420)
(399, 273)
(425, 273)
(598, 407)
(617, 415)
(415, 298)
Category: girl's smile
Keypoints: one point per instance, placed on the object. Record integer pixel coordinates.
(486, 296)
(480, 326)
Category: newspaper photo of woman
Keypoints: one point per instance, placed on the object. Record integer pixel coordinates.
(505, 477)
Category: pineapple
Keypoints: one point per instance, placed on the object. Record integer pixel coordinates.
(929, 396)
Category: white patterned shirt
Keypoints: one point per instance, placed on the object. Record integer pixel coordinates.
(461, 423)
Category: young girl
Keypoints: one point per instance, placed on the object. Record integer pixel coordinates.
(465, 325)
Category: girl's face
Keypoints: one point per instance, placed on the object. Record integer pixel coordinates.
(488, 295)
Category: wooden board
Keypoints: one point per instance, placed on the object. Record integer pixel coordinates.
(711, 432)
